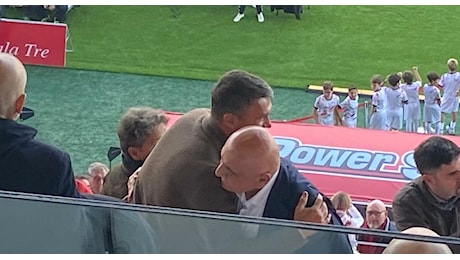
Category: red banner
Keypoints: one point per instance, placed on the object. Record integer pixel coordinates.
(34, 43)
(367, 164)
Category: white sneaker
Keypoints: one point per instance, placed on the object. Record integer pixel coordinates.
(238, 17)
(260, 17)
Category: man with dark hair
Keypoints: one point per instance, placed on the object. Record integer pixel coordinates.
(179, 171)
(432, 200)
(139, 130)
(27, 165)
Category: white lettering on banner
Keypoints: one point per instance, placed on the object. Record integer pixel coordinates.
(31, 49)
(10, 49)
(359, 161)
(34, 51)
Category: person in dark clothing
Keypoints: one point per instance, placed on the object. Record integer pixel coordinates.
(376, 218)
(45, 13)
(432, 200)
(240, 14)
(2, 10)
(27, 165)
(139, 131)
(268, 186)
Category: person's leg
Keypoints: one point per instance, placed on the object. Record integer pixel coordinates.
(60, 13)
(2, 10)
(241, 9)
(260, 14)
(240, 13)
(35, 12)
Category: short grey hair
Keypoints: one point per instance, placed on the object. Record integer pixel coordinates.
(96, 166)
(137, 124)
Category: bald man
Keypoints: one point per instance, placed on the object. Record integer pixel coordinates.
(27, 165)
(376, 218)
(268, 186)
(403, 246)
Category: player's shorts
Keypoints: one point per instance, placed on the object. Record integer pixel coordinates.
(449, 104)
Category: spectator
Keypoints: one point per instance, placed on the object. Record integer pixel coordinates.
(270, 187)
(27, 165)
(139, 130)
(240, 15)
(432, 200)
(348, 213)
(376, 218)
(45, 13)
(406, 246)
(179, 172)
(97, 172)
(450, 83)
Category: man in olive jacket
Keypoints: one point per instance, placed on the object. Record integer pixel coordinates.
(432, 200)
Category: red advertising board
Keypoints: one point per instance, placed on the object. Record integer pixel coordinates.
(367, 164)
(34, 43)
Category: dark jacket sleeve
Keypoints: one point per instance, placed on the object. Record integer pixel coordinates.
(67, 187)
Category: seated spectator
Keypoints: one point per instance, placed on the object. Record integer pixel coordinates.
(82, 183)
(97, 172)
(45, 13)
(139, 131)
(432, 199)
(27, 165)
(348, 213)
(376, 218)
(268, 186)
(404, 246)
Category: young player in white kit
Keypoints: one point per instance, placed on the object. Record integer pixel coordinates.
(325, 110)
(378, 118)
(396, 98)
(412, 89)
(450, 83)
(349, 108)
(432, 109)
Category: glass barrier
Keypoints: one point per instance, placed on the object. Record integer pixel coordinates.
(47, 224)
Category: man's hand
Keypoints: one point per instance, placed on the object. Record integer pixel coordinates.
(317, 213)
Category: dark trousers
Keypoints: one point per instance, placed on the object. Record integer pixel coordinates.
(38, 12)
(2, 10)
(241, 9)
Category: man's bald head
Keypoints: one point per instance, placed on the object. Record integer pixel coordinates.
(13, 78)
(249, 159)
(402, 246)
(376, 214)
(253, 141)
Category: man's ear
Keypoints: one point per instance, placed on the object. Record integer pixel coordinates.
(134, 153)
(263, 180)
(229, 120)
(20, 103)
(427, 178)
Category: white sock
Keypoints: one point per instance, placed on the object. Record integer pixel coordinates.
(428, 128)
(452, 125)
(442, 127)
(437, 127)
(408, 125)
